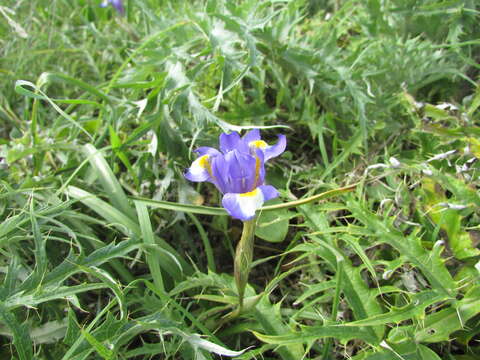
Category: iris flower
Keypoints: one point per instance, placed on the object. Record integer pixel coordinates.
(238, 171)
(117, 4)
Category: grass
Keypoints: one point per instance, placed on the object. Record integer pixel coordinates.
(107, 252)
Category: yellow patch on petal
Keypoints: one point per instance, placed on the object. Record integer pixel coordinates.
(260, 144)
(250, 193)
(257, 171)
(203, 161)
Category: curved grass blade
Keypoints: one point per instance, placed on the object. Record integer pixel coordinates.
(208, 210)
(148, 238)
(171, 261)
(20, 89)
(108, 180)
(48, 77)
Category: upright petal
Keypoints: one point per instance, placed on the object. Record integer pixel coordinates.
(259, 169)
(252, 135)
(228, 142)
(241, 174)
(277, 149)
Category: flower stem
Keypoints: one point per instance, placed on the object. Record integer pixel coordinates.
(243, 259)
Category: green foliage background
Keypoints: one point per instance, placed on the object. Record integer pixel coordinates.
(107, 252)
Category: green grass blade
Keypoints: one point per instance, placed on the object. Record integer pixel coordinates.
(148, 238)
(108, 180)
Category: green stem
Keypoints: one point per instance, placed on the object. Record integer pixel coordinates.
(243, 259)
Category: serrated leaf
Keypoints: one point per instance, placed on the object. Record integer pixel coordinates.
(415, 309)
(440, 325)
(101, 349)
(310, 334)
(20, 333)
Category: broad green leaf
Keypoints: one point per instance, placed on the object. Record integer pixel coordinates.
(315, 289)
(50, 332)
(272, 226)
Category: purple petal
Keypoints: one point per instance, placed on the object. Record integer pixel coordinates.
(199, 170)
(220, 173)
(117, 4)
(277, 149)
(241, 172)
(205, 150)
(197, 175)
(228, 142)
(269, 192)
(233, 141)
(252, 135)
(259, 169)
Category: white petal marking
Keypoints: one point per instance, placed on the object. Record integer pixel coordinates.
(250, 202)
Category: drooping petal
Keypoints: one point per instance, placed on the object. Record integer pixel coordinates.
(243, 206)
(200, 170)
(254, 142)
(252, 135)
(275, 150)
(268, 191)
